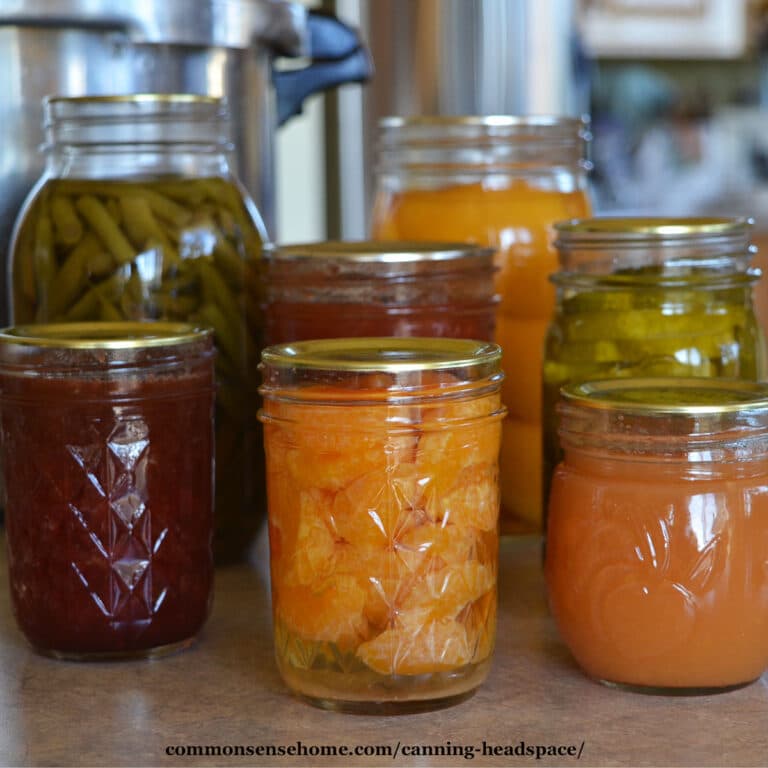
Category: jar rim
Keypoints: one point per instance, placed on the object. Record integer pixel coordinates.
(103, 335)
(668, 397)
(486, 121)
(382, 355)
(376, 251)
(651, 228)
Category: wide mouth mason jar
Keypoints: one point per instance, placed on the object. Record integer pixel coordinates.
(382, 472)
(640, 297)
(107, 449)
(325, 290)
(139, 216)
(658, 530)
(500, 181)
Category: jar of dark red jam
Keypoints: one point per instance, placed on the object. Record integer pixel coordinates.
(337, 289)
(107, 445)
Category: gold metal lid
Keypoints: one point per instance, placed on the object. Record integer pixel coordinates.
(668, 396)
(652, 227)
(387, 354)
(104, 335)
(390, 252)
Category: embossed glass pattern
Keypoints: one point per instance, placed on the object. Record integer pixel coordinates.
(107, 447)
(383, 516)
(658, 533)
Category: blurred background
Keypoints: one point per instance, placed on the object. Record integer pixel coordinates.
(677, 91)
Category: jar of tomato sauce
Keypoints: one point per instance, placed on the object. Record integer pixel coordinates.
(658, 532)
(640, 297)
(382, 467)
(498, 181)
(107, 448)
(323, 290)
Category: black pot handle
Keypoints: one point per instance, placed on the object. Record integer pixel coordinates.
(337, 56)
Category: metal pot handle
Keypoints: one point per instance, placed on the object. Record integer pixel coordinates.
(338, 56)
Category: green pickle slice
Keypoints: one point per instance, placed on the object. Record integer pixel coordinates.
(166, 248)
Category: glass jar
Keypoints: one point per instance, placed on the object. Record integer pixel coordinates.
(650, 297)
(322, 290)
(138, 217)
(382, 469)
(658, 531)
(107, 444)
(501, 182)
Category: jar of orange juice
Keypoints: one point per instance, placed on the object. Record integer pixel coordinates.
(498, 181)
(382, 466)
(658, 532)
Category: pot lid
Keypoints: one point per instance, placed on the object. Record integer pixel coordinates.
(226, 23)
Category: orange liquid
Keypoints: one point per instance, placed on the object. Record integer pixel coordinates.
(516, 221)
(657, 580)
(383, 547)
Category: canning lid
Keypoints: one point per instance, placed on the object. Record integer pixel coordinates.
(100, 344)
(376, 251)
(382, 368)
(665, 415)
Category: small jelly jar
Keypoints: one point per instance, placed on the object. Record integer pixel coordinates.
(107, 446)
(658, 532)
(323, 290)
(382, 480)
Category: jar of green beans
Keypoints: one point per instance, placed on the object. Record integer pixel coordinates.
(138, 217)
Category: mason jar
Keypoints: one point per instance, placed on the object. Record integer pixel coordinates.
(501, 182)
(658, 530)
(138, 217)
(382, 470)
(639, 297)
(107, 444)
(324, 290)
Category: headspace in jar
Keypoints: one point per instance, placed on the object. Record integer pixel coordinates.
(327, 290)
(107, 450)
(383, 512)
(658, 532)
(499, 181)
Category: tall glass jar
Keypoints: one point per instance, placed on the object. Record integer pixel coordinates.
(650, 297)
(658, 532)
(139, 217)
(323, 290)
(107, 443)
(502, 182)
(382, 466)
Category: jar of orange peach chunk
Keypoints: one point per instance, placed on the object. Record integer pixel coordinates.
(382, 478)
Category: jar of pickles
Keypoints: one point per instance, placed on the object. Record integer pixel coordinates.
(498, 181)
(658, 531)
(382, 469)
(107, 445)
(650, 297)
(138, 217)
(322, 290)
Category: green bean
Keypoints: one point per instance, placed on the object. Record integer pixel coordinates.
(165, 208)
(66, 222)
(88, 306)
(105, 228)
(45, 263)
(228, 262)
(108, 312)
(176, 306)
(227, 338)
(71, 279)
(143, 229)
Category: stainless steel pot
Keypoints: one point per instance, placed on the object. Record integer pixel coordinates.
(214, 47)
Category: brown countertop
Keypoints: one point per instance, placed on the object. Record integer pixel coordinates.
(225, 691)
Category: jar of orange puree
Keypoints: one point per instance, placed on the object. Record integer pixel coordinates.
(658, 532)
(383, 518)
(497, 181)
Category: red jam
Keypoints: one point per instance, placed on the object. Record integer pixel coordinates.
(109, 512)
